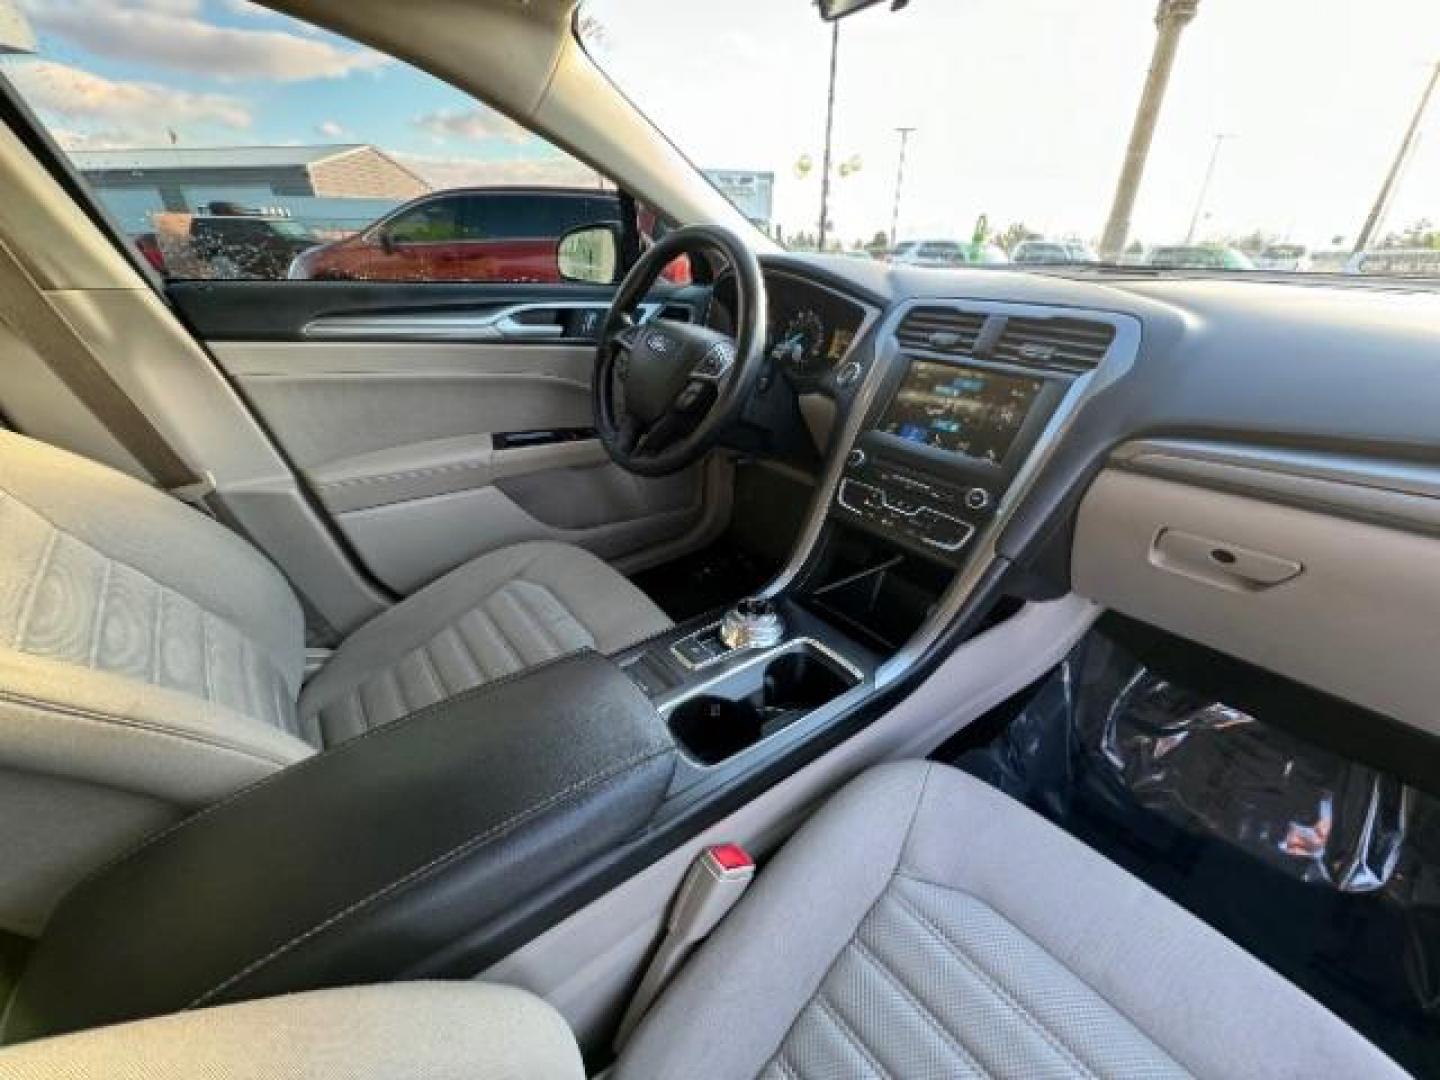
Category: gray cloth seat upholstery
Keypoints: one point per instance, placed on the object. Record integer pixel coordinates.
(920, 926)
(503, 612)
(405, 1031)
(151, 660)
(924, 925)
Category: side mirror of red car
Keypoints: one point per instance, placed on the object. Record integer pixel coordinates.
(387, 242)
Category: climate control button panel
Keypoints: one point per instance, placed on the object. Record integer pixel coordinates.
(917, 510)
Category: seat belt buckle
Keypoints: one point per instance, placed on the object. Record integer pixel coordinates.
(196, 492)
(712, 886)
(710, 889)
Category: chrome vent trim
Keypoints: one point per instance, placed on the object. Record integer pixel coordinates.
(1062, 343)
(942, 329)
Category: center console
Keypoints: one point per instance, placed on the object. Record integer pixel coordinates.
(956, 412)
(762, 672)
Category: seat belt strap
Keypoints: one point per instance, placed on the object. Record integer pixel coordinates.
(26, 309)
(712, 886)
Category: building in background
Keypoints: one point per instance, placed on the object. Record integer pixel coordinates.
(753, 193)
(334, 189)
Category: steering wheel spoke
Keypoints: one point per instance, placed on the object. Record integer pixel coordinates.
(629, 434)
(626, 336)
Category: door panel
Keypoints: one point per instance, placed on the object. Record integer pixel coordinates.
(328, 402)
(408, 544)
(398, 440)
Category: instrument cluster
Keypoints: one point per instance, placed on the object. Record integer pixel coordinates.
(810, 328)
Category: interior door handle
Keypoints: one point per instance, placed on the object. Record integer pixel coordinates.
(511, 327)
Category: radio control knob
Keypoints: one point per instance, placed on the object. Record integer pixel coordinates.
(856, 458)
(977, 498)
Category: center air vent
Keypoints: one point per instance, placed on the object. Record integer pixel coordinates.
(942, 329)
(1060, 344)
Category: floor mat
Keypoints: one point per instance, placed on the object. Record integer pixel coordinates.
(1326, 869)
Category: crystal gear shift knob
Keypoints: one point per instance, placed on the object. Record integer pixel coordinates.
(752, 624)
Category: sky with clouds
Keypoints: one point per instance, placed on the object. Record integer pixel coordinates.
(113, 74)
(1022, 106)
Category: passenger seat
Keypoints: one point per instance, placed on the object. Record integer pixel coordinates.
(921, 925)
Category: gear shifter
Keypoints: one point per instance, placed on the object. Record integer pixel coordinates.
(752, 624)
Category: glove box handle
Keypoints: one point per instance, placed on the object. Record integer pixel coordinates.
(1219, 562)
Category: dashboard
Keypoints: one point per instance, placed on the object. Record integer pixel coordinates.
(1221, 458)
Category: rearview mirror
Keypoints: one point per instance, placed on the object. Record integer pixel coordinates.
(589, 254)
(830, 10)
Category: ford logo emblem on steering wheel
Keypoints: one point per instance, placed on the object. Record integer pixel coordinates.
(657, 342)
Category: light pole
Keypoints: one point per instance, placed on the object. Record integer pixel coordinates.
(829, 130)
(1220, 138)
(1171, 17)
(1387, 189)
(905, 133)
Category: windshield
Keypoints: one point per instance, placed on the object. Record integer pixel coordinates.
(1290, 135)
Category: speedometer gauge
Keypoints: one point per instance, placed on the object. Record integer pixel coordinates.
(801, 340)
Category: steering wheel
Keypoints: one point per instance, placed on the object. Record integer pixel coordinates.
(665, 391)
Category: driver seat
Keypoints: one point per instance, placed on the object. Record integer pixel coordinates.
(151, 660)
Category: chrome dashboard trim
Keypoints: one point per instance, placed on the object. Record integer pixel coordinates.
(499, 324)
(841, 441)
(1374, 490)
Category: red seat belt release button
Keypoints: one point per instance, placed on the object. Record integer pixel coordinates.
(712, 886)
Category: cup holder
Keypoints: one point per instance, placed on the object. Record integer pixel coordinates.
(755, 703)
(801, 680)
(713, 728)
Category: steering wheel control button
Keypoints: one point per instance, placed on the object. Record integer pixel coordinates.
(847, 375)
(716, 361)
(977, 498)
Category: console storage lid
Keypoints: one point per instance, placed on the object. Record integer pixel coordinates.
(364, 863)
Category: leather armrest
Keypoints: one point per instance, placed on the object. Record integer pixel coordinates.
(361, 864)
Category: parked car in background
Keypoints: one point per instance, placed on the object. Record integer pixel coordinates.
(148, 244)
(1283, 257)
(464, 234)
(246, 244)
(947, 253)
(1053, 253)
(1198, 257)
(1331, 261)
(1395, 262)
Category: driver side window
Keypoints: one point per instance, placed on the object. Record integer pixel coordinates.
(294, 153)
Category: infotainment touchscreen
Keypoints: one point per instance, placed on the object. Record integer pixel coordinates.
(964, 410)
